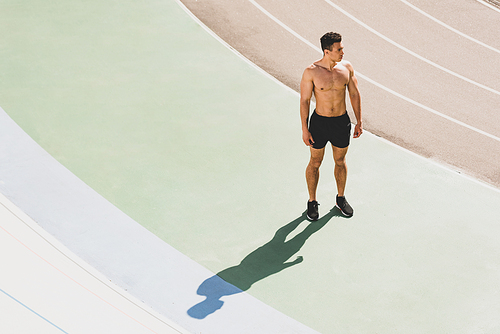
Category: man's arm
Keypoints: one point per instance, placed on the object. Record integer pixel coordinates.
(306, 90)
(355, 98)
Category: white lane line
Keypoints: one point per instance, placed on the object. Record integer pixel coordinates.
(399, 46)
(54, 244)
(287, 28)
(62, 272)
(489, 5)
(120, 299)
(456, 121)
(284, 26)
(31, 310)
(449, 27)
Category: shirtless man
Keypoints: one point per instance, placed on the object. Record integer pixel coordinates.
(328, 78)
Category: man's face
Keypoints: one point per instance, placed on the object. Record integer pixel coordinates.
(337, 52)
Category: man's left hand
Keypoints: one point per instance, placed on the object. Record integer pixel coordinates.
(358, 130)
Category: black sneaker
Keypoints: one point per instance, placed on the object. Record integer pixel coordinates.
(312, 210)
(344, 207)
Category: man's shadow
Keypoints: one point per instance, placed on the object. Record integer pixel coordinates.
(265, 261)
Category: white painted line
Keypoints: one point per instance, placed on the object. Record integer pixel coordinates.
(33, 311)
(387, 39)
(284, 26)
(440, 164)
(223, 42)
(375, 82)
(449, 27)
(429, 109)
(45, 259)
(489, 5)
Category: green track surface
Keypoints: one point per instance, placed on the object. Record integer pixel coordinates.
(195, 144)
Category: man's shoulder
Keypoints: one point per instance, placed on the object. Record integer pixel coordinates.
(347, 64)
(309, 72)
(312, 67)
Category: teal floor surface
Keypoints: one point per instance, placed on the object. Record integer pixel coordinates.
(205, 151)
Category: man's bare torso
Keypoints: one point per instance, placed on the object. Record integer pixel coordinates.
(330, 88)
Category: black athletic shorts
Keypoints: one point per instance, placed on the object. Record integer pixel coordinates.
(336, 130)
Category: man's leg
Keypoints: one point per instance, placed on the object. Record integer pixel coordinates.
(312, 171)
(340, 173)
(340, 170)
(312, 178)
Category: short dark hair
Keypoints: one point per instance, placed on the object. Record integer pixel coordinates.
(328, 39)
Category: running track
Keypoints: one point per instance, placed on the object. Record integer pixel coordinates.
(429, 72)
(159, 170)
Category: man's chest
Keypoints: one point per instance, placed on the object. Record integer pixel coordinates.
(325, 80)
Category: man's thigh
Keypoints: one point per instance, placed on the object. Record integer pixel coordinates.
(339, 154)
(317, 154)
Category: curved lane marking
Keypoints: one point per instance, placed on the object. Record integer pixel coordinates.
(287, 28)
(449, 27)
(489, 5)
(66, 275)
(33, 311)
(416, 55)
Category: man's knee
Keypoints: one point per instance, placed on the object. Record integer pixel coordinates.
(340, 162)
(339, 156)
(315, 162)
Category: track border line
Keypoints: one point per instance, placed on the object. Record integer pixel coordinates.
(414, 54)
(30, 309)
(488, 5)
(407, 99)
(30, 224)
(450, 27)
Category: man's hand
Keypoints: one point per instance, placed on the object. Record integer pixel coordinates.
(358, 130)
(307, 138)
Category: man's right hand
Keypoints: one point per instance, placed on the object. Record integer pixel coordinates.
(307, 138)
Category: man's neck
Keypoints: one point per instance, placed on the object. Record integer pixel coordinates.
(327, 63)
